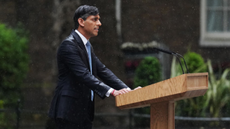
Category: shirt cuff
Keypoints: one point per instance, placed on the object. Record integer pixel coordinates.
(109, 92)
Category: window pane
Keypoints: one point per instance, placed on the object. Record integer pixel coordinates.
(215, 3)
(215, 21)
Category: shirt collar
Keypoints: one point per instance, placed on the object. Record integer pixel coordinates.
(82, 37)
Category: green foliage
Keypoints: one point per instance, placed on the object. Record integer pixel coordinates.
(148, 72)
(218, 92)
(13, 68)
(195, 64)
(216, 97)
(194, 106)
(14, 62)
(1, 104)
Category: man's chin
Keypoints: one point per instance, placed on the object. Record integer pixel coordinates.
(94, 35)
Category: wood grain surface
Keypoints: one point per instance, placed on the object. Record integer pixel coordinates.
(180, 87)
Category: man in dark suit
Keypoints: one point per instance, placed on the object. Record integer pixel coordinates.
(72, 106)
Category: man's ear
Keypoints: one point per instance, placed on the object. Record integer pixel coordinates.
(81, 22)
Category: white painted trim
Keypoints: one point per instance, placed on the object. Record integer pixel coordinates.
(213, 43)
(213, 39)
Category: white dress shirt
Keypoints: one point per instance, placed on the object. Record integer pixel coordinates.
(85, 41)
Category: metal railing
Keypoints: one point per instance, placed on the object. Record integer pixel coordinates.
(130, 115)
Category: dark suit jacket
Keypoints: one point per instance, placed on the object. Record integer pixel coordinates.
(72, 99)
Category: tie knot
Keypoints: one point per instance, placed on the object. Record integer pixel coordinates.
(88, 44)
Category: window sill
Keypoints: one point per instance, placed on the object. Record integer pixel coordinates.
(214, 43)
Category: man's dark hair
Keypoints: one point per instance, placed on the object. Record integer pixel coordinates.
(83, 12)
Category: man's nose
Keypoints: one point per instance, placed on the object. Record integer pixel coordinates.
(99, 23)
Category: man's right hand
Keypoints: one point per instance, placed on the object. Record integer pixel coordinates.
(119, 92)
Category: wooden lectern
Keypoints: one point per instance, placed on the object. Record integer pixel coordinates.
(162, 95)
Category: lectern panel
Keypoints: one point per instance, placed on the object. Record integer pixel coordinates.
(180, 87)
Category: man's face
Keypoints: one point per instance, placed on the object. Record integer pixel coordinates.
(91, 26)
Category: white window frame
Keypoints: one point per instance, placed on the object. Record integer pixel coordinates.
(211, 39)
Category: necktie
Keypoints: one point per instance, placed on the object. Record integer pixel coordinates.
(90, 63)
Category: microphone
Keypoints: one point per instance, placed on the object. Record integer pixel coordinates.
(178, 56)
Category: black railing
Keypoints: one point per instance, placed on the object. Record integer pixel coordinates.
(130, 116)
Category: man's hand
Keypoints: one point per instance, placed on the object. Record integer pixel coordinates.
(119, 92)
(137, 88)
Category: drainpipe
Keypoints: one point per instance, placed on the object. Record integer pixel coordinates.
(118, 19)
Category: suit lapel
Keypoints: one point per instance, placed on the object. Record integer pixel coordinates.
(78, 41)
(81, 48)
(84, 54)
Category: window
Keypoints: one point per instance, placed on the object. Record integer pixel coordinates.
(215, 23)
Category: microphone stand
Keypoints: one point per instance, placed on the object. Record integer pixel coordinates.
(184, 61)
(178, 56)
